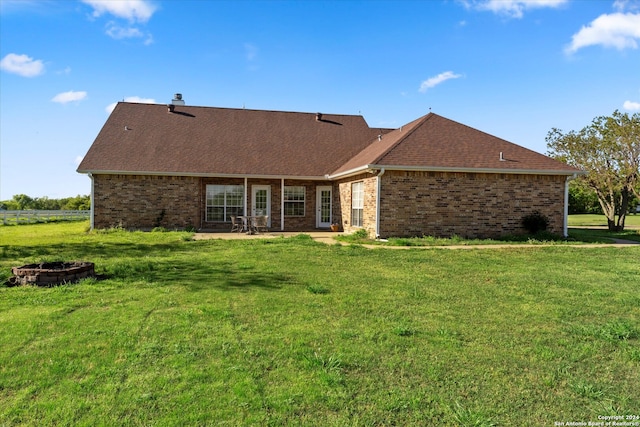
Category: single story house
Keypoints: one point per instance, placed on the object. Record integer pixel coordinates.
(180, 166)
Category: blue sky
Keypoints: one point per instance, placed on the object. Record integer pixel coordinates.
(512, 68)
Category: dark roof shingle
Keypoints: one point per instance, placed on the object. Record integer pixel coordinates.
(434, 142)
(205, 140)
(147, 138)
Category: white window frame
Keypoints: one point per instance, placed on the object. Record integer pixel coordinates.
(228, 209)
(357, 204)
(289, 198)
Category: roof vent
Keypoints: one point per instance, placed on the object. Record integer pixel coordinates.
(177, 99)
(318, 117)
(502, 159)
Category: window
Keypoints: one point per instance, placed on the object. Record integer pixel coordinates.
(357, 203)
(223, 201)
(294, 200)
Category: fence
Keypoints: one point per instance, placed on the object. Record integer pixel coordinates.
(27, 217)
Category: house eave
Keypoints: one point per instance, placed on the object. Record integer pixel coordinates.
(345, 174)
(373, 167)
(205, 175)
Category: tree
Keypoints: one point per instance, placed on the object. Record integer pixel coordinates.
(582, 199)
(609, 150)
(23, 201)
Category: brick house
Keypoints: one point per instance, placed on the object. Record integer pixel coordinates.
(179, 166)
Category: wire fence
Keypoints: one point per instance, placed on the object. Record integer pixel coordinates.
(33, 216)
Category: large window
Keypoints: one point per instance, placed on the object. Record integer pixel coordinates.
(357, 203)
(294, 200)
(224, 201)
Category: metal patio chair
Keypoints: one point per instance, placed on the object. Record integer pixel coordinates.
(259, 223)
(237, 224)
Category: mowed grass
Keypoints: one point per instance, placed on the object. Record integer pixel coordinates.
(631, 231)
(632, 220)
(294, 332)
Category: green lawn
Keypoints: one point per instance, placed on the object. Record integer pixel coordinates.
(294, 332)
(600, 220)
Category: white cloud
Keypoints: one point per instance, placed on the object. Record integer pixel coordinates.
(436, 80)
(135, 99)
(66, 71)
(116, 32)
(631, 106)
(617, 30)
(132, 10)
(511, 8)
(251, 51)
(71, 96)
(22, 65)
(622, 5)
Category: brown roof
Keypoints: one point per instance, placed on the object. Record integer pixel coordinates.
(147, 138)
(433, 142)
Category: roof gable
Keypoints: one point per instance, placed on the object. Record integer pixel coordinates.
(436, 143)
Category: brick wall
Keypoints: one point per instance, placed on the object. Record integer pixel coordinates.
(369, 211)
(412, 203)
(145, 202)
(472, 205)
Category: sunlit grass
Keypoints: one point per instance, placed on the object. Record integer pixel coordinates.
(583, 220)
(293, 332)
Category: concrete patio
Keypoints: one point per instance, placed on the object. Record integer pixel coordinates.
(323, 236)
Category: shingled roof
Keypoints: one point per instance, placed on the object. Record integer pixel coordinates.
(148, 138)
(436, 143)
(208, 141)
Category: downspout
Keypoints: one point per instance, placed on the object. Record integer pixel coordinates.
(379, 185)
(92, 207)
(282, 204)
(565, 227)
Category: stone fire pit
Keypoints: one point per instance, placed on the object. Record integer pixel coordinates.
(51, 273)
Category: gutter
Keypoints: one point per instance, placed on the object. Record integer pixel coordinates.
(361, 169)
(205, 175)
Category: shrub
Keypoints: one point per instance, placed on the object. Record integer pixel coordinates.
(361, 234)
(535, 222)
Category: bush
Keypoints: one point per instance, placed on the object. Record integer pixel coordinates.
(535, 222)
(361, 234)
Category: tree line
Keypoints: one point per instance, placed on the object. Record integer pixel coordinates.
(21, 202)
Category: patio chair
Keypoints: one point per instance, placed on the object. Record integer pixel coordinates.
(260, 223)
(236, 224)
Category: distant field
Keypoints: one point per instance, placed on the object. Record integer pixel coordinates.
(294, 332)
